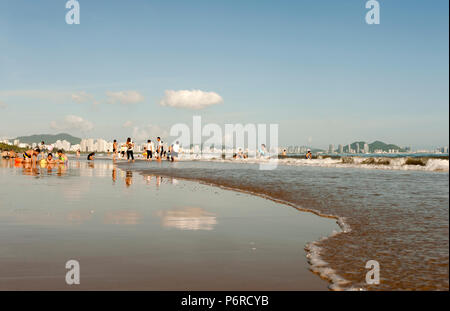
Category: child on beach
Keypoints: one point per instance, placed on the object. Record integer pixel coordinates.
(62, 158)
(123, 149)
(48, 160)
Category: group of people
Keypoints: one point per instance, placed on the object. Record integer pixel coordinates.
(38, 154)
(151, 150)
(262, 152)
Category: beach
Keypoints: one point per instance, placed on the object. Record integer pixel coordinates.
(137, 231)
(398, 217)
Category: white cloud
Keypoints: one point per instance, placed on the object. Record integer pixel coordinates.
(150, 131)
(190, 99)
(72, 122)
(82, 97)
(3, 105)
(124, 97)
(127, 124)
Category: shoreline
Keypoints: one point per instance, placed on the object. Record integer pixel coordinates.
(318, 266)
(337, 258)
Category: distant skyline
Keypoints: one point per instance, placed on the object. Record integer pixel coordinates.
(314, 67)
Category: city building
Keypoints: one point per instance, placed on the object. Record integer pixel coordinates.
(366, 148)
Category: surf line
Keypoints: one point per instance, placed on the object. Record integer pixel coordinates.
(193, 301)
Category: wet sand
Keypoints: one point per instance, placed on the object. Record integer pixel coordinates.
(146, 232)
(399, 218)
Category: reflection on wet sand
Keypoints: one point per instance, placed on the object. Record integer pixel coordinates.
(79, 216)
(140, 225)
(129, 178)
(114, 174)
(122, 217)
(188, 218)
(76, 167)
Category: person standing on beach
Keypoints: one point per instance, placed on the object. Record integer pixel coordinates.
(160, 147)
(262, 150)
(115, 149)
(130, 146)
(149, 150)
(175, 150)
(308, 154)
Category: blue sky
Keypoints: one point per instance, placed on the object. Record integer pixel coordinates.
(313, 67)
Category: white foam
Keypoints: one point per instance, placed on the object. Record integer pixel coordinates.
(432, 165)
(322, 268)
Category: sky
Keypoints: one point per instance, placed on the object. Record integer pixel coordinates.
(315, 68)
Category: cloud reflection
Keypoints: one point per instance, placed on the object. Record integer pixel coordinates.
(188, 218)
(122, 217)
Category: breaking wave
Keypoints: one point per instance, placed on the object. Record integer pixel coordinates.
(384, 163)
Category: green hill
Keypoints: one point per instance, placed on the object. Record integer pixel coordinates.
(49, 138)
(376, 145)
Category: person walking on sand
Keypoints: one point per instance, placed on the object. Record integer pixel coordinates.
(130, 146)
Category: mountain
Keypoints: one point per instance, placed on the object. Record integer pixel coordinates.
(376, 145)
(49, 138)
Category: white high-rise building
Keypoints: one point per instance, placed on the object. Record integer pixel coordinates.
(90, 146)
(65, 145)
(366, 148)
(83, 146)
(101, 145)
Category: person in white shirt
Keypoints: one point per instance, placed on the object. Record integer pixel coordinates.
(160, 150)
(174, 151)
(149, 150)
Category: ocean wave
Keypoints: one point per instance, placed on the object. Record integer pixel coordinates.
(384, 163)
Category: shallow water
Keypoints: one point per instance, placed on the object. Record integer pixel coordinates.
(399, 218)
(147, 232)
